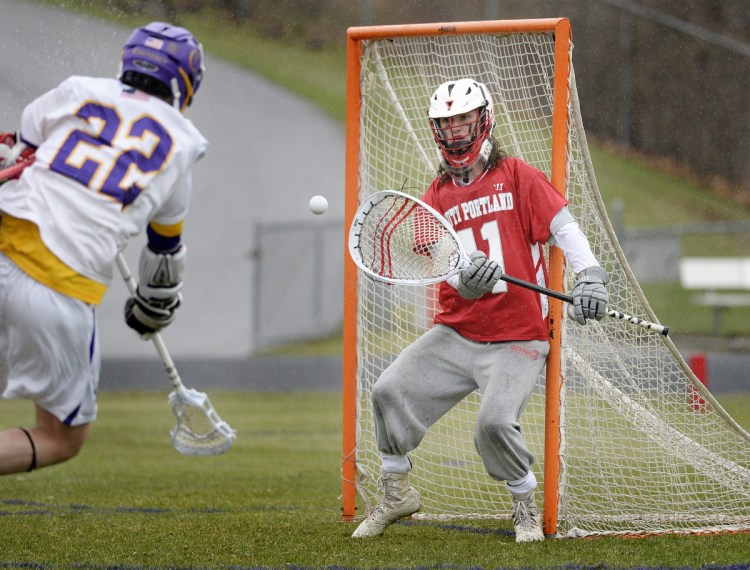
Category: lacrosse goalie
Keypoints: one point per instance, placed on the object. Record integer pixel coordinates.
(113, 159)
(488, 336)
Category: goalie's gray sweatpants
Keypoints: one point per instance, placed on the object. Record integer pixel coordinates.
(440, 369)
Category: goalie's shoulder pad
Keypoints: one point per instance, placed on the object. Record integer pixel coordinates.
(160, 274)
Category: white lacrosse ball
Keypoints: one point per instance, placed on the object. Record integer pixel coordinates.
(318, 205)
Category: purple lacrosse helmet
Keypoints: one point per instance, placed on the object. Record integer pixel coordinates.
(163, 60)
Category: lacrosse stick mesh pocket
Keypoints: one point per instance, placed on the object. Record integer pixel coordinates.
(199, 429)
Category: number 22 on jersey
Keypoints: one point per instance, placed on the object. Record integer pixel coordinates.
(119, 158)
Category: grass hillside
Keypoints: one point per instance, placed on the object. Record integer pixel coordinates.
(650, 196)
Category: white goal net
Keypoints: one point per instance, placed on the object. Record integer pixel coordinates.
(637, 454)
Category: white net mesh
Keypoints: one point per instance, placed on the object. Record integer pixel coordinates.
(199, 429)
(637, 456)
(398, 239)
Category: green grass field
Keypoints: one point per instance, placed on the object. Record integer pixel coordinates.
(130, 501)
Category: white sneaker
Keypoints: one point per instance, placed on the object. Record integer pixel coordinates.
(526, 518)
(399, 500)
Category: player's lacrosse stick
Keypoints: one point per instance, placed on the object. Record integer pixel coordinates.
(199, 429)
(398, 239)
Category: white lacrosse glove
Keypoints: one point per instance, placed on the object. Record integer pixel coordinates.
(157, 296)
(590, 295)
(478, 278)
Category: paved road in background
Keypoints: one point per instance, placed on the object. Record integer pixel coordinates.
(269, 152)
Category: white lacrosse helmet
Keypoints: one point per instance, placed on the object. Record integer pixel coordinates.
(454, 98)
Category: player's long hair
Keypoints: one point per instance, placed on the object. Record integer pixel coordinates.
(497, 154)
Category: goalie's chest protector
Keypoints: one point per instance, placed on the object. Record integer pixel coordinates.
(506, 213)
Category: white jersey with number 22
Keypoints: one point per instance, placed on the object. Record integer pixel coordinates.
(110, 159)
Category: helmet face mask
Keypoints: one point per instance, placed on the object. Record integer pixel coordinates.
(461, 119)
(167, 55)
(457, 134)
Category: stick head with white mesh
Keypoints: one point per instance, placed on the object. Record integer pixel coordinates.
(199, 429)
(397, 238)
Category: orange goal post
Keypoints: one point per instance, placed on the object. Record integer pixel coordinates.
(619, 448)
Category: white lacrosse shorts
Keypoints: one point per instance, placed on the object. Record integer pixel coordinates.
(49, 350)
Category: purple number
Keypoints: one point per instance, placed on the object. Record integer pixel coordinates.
(121, 158)
(145, 164)
(85, 172)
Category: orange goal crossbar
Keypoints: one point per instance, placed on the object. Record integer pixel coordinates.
(441, 29)
(560, 27)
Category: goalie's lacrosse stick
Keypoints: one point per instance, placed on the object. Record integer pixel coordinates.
(396, 238)
(199, 429)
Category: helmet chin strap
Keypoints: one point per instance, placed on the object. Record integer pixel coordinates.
(176, 94)
(460, 174)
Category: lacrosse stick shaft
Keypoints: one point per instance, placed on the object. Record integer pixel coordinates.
(187, 403)
(661, 329)
(161, 347)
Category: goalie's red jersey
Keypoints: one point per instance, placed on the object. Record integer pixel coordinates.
(506, 213)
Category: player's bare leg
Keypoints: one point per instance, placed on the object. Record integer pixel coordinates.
(48, 443)
(399, 500)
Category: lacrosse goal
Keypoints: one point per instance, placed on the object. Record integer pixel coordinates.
(620, 448)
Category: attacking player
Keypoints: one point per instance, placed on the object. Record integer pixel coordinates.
(488, 336)
(113, 158)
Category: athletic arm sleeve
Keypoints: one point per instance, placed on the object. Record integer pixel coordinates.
(567, 235)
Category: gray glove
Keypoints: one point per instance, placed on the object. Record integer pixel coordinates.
(589, 295)
(478, 278)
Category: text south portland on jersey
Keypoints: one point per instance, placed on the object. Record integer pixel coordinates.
(480, 206)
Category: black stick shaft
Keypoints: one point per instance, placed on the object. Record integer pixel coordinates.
(537, 288)
(661, 329)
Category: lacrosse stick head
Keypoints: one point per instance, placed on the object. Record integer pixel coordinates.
(399, 239)
(199, 429)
